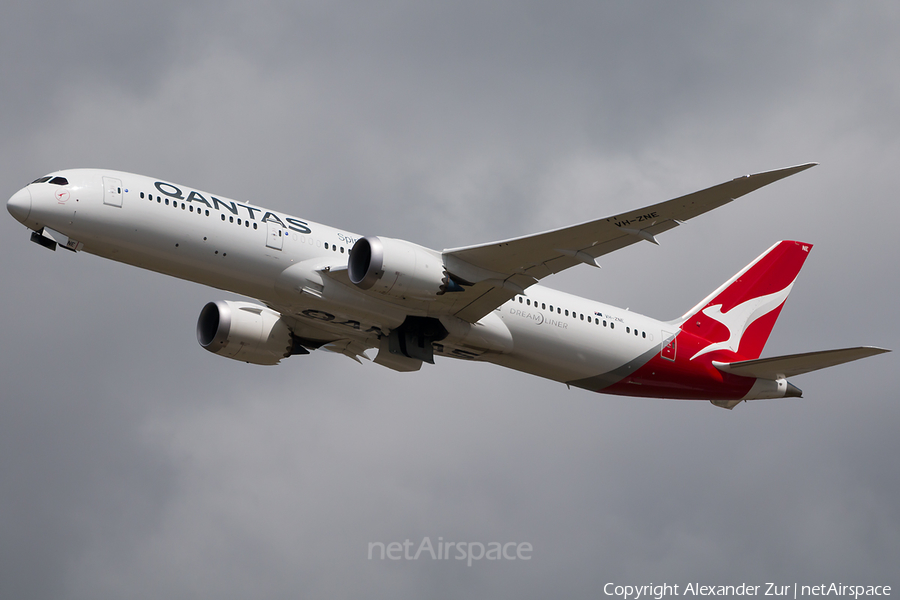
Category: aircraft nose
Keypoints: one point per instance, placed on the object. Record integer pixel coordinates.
(19, 205)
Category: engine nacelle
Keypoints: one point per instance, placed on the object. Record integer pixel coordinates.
(398, 268)
(244, 331)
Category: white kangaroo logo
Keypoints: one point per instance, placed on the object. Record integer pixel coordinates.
(739, 318)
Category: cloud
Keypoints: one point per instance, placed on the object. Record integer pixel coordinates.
(136, 465)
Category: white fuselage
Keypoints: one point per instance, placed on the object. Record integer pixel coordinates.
(249, 250)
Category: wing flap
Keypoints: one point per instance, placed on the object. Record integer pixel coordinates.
(779, 367)
(350, 348)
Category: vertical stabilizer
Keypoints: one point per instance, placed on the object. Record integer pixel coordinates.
(738, 317)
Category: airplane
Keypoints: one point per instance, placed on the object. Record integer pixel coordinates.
(321, 287)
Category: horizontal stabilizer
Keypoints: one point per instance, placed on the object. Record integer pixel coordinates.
(779, 367)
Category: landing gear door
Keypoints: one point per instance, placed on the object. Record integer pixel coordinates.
(112, 191)
(275, 237)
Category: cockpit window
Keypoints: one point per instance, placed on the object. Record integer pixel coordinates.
(42, 179)
(59, 181)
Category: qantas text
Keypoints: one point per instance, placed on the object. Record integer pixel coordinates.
(173, 191)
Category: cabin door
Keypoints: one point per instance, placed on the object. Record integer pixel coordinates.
(275, 237)
(112, 191)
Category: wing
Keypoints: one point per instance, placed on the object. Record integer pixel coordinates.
(495, 272)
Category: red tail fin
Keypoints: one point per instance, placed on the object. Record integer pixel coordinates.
(738, 317)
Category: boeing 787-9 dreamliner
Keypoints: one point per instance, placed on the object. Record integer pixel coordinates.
(321, 287)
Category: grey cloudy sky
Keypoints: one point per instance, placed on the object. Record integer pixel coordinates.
(135, 465)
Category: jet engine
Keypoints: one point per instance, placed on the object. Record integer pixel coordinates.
(246, 332)
(399, 268)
